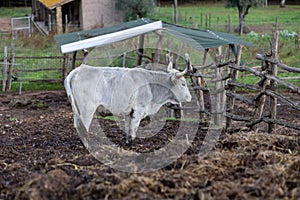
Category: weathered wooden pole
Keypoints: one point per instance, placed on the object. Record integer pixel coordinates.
(209, 20)
(201, 20)
(273, 84)
(232, 89)
(206, 21)
(49, 23)
(217, 112)
(175, 17)
(259, 103)
(59, 20)
(140, 50)
(229, 24)
(74, 59)
(11, 67)
(4, 69)
(201, 83)
(66, 24)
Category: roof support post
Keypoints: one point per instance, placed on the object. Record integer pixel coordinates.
(141, 49)
(74, 59)
(59, 20)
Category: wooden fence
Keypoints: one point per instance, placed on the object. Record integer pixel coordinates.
(265, 90)
(34, 69)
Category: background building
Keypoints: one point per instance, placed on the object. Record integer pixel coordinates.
(63, 15)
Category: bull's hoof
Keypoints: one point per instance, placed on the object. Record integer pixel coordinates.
(129, 141)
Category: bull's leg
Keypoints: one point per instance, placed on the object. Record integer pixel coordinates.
(136, 118)
(127, 128)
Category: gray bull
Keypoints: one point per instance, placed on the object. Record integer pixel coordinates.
(131, 93)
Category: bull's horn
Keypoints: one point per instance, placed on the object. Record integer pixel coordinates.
(188, 62)
(170, 66)
(180, 74)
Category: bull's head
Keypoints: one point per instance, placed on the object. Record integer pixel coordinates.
(180, 88)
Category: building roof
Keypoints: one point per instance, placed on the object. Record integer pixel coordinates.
(198, 39)
(51, 4)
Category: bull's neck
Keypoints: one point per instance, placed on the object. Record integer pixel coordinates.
(162, 78)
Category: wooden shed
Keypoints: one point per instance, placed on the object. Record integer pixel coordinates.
(60, 16)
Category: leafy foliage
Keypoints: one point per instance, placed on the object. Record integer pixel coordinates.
(136, 8)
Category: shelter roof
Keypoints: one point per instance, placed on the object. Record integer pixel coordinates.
(199, 39)
(51, 4)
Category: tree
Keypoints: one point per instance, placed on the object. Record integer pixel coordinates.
(134, 9)
(282, 3)
(243, 9)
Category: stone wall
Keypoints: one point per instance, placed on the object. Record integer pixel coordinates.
(99, 13)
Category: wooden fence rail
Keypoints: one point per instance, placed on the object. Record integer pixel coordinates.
(33, 68)
(265, 89)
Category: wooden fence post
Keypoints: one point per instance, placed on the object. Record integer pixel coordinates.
(66, 24)
(4, 69)
(11, 67)
(140, 49)
(259, 101)
(273, 84)
(206, 21)
(217, 112)
(201, 83)
(209, 20)
(234, 77)
(74, 59)
(175, 12)
(201, 20)
(229, 24)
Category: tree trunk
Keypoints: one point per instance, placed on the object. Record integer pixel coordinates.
(241, 23)
(282, 3)
(242, 16)
(175, 12)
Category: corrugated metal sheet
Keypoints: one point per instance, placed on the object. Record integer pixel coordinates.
(199, 39)
(51, 4)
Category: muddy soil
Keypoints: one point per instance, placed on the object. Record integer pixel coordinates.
(41, 157)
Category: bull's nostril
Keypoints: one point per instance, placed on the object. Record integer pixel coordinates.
(189, 98)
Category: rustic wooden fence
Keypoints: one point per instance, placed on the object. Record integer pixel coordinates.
(227, 87)
(33, 69)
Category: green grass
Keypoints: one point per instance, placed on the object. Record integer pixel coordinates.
(15, 11)
(287, 17)
(261, 20)
(36, 86)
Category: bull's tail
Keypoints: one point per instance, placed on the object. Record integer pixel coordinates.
(81, 130)
(68, 88)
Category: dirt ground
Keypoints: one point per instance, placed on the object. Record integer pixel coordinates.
(41, 157)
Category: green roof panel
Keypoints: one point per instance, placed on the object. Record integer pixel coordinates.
(199, 39)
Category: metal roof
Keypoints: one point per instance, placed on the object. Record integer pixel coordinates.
(199, 39)
(51, 4)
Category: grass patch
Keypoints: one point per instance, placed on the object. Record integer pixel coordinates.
(36, 86)
(189, 14)
(261, 20)
(15, 11)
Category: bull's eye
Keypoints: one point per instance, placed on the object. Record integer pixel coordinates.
(183, 84)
